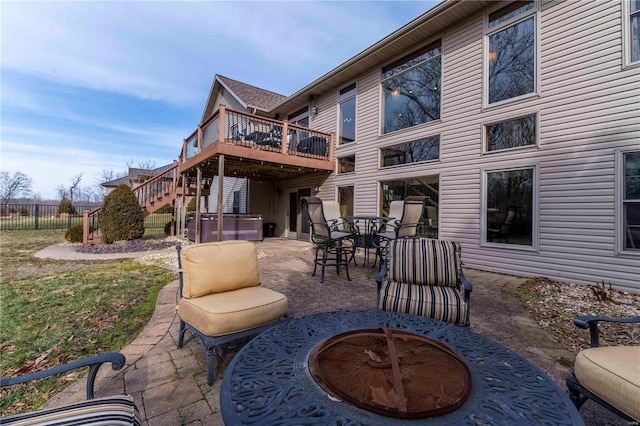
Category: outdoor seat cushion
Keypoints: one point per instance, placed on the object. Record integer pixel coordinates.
(113, 410)
(233, 311)
(613, 374)
(217, 267)
(440, 303)
(424, 261)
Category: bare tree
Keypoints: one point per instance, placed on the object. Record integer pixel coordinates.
(75, 181)
(145, 165)
(13, 185)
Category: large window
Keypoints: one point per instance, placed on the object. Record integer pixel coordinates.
(629, 201)
(509, 207)
(411, 152)
(345, 199)
(514, 133)
(411, 88)
(631, 31)
(511, 51)
(423, 185)
(347, 100)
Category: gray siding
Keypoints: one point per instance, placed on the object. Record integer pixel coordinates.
(587, 107)
(229, 186)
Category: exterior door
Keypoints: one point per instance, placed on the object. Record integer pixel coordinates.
(298, 215)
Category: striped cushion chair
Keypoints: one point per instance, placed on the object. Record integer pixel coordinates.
(112, 410)
(424, 277)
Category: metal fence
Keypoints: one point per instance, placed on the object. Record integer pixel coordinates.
(47, 216)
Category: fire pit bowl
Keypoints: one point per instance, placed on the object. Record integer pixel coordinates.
(391, 373)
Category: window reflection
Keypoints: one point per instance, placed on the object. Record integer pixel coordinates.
(509, 211)
(511, 133)
(347, 125)
(631, 201)
(419, 186)
(411, 89)
(345, 199)
(347, 164)
(411, 152)
(512, 61)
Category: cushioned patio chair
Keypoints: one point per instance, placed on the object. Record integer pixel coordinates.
(424, 277)
(608, 375)
(333, 243)
(331, 210)
(221, 299)
(112, 410)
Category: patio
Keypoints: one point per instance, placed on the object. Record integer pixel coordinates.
(169, 384)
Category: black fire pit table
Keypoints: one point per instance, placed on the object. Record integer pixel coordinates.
(269, 381)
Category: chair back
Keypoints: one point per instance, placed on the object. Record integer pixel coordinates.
(209, 268)
(413, 208)
(319, 226)
(508, 220)
(396, 208)
(424, 261)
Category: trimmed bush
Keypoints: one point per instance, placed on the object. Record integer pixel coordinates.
(24, 211)
(167, 227)
(167, 208)
(74, 234)
(65, 206)
(121, 216)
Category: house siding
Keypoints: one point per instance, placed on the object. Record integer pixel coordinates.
(587, 107)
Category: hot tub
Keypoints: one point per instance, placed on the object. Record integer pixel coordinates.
(234, 227)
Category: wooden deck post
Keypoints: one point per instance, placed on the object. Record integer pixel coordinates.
(285, 137)
(222, 122)
(85, 228)
(198, 192)
(220, 196)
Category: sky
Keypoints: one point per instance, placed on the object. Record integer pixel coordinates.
(87, 86)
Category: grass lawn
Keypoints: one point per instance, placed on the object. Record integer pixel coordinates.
(54, 311)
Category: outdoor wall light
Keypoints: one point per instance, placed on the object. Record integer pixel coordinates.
(314, 110)
(316, 188)
(278, 192)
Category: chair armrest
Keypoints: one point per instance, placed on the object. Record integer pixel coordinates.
(591, 322)
(465, 282)
(116, 359)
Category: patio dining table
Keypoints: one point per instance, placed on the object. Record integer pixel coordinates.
(269, 380)
(366, 226)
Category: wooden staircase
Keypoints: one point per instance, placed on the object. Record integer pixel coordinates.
(152, 194)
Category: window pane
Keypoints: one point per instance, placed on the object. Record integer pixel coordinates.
(511, 134)
(411, 152)
(635, 5)
(509, 212)
(512, 61)
(632, 226)
(348, 91)
(347, 164)
(420, 186)
(348, 121)
(345, 199)
(508, 12)
(412, 97)
(632, 176)
(635, 38)
(427, 52)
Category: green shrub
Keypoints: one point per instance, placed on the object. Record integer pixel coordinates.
(121, 216)
(74, 234)
(65, 206)
(191, 205)
(167, 208)
(24, 211)
(167, 227)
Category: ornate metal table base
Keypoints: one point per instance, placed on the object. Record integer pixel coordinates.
(268, 382)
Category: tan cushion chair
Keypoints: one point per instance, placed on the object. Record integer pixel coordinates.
(221, 298)
(609, 375)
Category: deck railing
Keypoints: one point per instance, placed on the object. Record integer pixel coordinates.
(251, 131)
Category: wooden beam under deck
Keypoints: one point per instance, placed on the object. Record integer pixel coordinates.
(243, 161)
